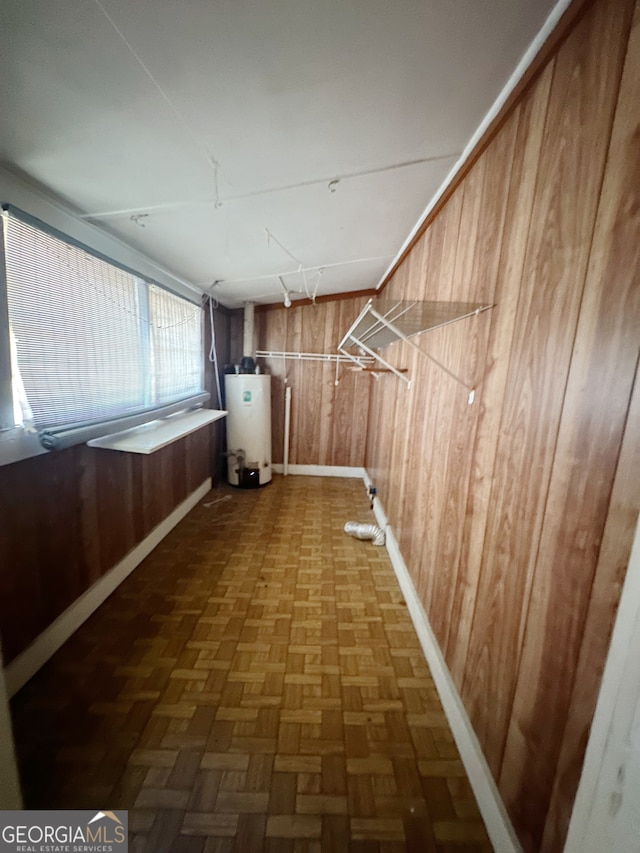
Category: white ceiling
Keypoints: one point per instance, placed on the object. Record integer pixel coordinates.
(206, 133)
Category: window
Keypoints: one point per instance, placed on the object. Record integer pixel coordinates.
(91, 341)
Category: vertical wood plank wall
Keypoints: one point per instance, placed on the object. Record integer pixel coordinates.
(511, 514)
(328, 422)
(71, 515)
(500, 508)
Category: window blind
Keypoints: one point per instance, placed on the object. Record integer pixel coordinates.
(94, 342)
(175, 344)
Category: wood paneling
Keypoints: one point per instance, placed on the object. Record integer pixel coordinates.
(328, 422)
(594, 417)
(69, 516)
(529, 119)
(228, 327)
(619, 531)
(569, 180)
(500, 508)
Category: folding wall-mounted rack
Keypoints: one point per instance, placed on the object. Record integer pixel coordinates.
(377, 328)
(366, 363)
(309, 356)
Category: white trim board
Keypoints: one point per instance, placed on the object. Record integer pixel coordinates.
(28, 662)
(490, 803)
(322, 471)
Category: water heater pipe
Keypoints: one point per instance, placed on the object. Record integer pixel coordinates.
(248, 344)
(287, 423)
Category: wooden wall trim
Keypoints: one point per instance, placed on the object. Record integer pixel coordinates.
(563, 29)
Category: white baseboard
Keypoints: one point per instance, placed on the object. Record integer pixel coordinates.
(490, 803)
(28, 662)
(322, 470)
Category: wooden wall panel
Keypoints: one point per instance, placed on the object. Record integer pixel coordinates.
(584, 88)
(328, 423)
(530, 118)
(593, 419)
(480, 256)
(311, 407)
(441, 392)
(350, 397)
(228, 327)
(20, 578)
(271, 329)
(69, 516)
(428, 382)
(499, 508)
(615, 256)
(622, 521)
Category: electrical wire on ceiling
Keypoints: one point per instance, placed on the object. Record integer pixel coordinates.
(324, 267)
(301, 269)
(330, 183)
(216, 167)
(212, 162)
(271, 236)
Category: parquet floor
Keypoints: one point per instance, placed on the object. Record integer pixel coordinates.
(255, 685)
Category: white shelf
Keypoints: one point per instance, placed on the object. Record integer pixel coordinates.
(157, 434)
(388, 322)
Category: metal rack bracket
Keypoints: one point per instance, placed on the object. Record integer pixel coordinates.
(376, 328)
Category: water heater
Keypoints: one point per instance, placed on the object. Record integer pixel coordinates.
(248, 402)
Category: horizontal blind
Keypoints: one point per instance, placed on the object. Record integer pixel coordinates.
(176, 345)
(88, 344)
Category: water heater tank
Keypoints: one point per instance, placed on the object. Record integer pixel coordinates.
(248, 402)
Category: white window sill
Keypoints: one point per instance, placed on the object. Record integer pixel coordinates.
(157, 434)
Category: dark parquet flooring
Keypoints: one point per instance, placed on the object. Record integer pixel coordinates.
(255, 685)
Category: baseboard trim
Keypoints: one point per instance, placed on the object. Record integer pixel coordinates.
(490, 803)
(28, 662)
(322, 471)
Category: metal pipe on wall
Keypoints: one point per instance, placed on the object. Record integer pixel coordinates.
(248, 343)
(287, 423)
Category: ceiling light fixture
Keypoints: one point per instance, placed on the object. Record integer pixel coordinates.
(287, 297)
